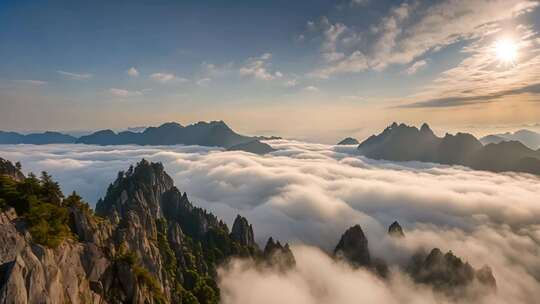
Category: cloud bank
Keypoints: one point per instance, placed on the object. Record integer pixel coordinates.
(309, 194)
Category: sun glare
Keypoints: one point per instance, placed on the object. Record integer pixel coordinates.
(506, 51)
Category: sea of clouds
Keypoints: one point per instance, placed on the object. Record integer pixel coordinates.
(309, 194)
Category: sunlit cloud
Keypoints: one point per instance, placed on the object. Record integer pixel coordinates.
(167, 78)
(123, 93)
(132, 72)
(258, 68)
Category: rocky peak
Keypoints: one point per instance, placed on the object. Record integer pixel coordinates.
(139, 188)
(278, 255)
(242, 232)
(13, 171)
(353, 246)
(446, 272)
(395, 230)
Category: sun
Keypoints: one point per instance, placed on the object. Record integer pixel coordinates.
(506, 51)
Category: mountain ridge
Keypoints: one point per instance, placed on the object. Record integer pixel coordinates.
(408, 143)
(213, 133)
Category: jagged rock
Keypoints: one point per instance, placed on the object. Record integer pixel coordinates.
(353, 246)
(242, 232)
(395, 230)
(8, 169)
(447, 273)
(278, 255)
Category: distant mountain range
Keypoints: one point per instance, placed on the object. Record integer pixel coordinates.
(36, 138)
(348, 141)
(407, 143)
(214, 133)
(528, 138)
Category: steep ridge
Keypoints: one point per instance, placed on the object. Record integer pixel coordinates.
(406, 143)
(146, 243)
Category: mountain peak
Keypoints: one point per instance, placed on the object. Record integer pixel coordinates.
(353, 246)
(242, 232)
(348, 141)
(395, 230)
(171, 124)
(425, 128)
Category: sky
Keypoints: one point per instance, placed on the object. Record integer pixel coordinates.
(311, 70)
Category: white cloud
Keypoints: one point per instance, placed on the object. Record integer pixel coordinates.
(311, 89)
(75, 76)
(132, 72)
(310, 193)
(291, 83)
(215, 70)
(167, 78)
(258, 68)
(413, 68)
(122, 93)
(203, 81)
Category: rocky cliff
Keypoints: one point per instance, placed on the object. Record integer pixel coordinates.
(146, 243)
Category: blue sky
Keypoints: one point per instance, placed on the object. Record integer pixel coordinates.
(315, 70)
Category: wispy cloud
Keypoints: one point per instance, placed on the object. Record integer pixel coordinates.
(123, 93)
(30, 82)
(167, 78)
(413, 68)
(132, 72)
(75, 76)
(312, 89)
(409, 31)
(203, 81)
(481, 77)
(258, 68)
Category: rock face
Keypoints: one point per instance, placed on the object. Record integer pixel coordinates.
(395, 230)
(254, 146)
(214, 133)
(353, 246)
(406, 143)
(448, 273)
(242, 232)
(348, 141)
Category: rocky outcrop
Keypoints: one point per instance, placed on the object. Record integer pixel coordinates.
(277, 255)
(353, 246)
(395, 230)
(10, 170)
(242, 232)
(448, 273)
